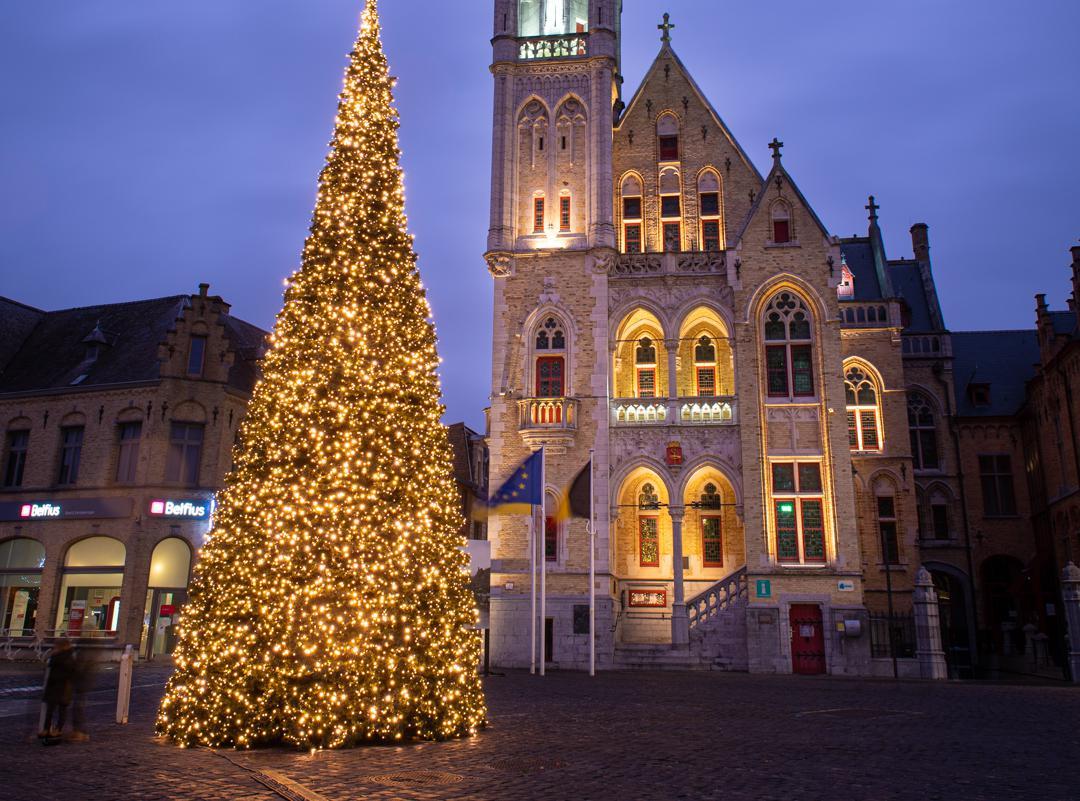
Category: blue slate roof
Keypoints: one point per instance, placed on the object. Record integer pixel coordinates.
(907, 283)
(859, 257)
(1005, 360)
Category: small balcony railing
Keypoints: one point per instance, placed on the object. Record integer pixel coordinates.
(568, 45)
(711, 410)
(691, 262)
(547, 414)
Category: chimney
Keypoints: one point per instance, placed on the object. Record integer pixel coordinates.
(203, 289)
(920, 241)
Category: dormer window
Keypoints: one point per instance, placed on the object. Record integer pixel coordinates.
(979, 394)
(94, 342)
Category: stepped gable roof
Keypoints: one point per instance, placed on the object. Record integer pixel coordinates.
(859, 256)
(55, 352)
(17, 320)
(667, 51)
(907, 283)
(248, 344)
(1003, 360)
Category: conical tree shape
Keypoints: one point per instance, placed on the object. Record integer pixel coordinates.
(331, 604)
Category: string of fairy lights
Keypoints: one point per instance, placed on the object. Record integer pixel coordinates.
(331, 604)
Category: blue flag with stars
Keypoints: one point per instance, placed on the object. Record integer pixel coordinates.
(521, 491)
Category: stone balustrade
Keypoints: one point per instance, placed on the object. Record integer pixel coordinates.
(718, 598)
(698, 262)
(561, 46)
(547, 413)
(718, 410)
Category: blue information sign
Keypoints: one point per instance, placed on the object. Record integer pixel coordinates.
(764, 588)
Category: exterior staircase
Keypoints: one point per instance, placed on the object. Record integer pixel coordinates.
(717, 634)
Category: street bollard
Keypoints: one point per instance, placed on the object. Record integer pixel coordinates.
(123, 691)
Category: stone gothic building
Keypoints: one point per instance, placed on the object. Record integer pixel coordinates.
(773, 412)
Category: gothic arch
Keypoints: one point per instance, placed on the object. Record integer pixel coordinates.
(528, 351)
(692, 468)
(519, 112)
(761, 296)
(623, 313)
(642, 461)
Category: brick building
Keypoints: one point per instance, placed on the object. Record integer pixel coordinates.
(118, 422)
(783, 428)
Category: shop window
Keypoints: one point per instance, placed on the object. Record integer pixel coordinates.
(71, 438)
(863, 412)
(887, 531)
(185, 453)
(788, 348)
(90, 588)
(196, 355)
(995, 474)
(564, 213)
(923, 431)
(127, 457)
(166, 594)
(538, 214)
(21, 563)
(645, 367)
(15, 457)
(798, 512)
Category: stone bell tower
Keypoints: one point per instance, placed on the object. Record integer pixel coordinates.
(550, 243)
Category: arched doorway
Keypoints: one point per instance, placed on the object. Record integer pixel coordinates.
(166, 593)
(957, 633)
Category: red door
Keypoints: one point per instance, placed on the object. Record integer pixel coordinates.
(807, 639)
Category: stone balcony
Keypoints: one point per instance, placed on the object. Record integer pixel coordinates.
(551, 422)
(695, 262)
(688, 411)
(567, 45)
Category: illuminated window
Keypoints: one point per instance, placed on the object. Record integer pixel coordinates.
(90, 588)
(798, 512)
(788, 348)
(667, 137)
(71, 438)
(923, 431)
(21, 563)
(564, 213)
(127, 456)
(670, 210)
(710, 211)
(781, 223)
(645, 365)
(631, 214)
(550, 367)
(15, 457)
(648, 528)
(632, 237)
(863, 413)
(705, 367)
(538, 214)
(712, 542)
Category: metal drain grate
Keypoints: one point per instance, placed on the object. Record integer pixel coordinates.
(417, 778)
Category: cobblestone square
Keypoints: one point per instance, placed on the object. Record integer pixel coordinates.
(647, 736)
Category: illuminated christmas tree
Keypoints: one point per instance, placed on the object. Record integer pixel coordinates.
(331, 603)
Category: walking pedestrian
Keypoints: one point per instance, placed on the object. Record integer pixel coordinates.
(58, 688)
(81, 680)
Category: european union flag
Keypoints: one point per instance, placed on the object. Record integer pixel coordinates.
(521, 491)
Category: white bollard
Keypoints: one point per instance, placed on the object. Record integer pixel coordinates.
(123, 691)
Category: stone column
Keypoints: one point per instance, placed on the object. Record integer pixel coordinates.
(928, 629)
(680, 624)
(671, 347)
(1070, 594)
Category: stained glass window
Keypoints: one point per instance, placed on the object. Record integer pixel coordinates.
(649, 541)
(712, 546)
(860, 395)
(789, 366)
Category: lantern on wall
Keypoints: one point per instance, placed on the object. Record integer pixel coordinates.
(674, 454)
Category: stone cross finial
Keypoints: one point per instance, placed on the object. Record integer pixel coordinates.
(775, 145)
(666, 28)
(872, 208)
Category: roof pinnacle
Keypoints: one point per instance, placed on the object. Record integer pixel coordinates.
(666, 28)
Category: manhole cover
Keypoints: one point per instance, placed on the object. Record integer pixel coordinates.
(418, 778)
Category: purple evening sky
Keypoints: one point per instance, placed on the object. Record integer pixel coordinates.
(147, 146)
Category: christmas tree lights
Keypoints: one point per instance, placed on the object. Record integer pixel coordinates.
(331, 603)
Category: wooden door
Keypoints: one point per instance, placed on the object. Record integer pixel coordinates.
(807, 639)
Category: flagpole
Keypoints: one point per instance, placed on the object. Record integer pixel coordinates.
(592, 570)
(543, 560)
(532, 589)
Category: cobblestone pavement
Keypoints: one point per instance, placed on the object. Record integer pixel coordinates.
(625, 736)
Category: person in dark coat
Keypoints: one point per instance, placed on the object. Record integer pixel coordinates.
(59, 684)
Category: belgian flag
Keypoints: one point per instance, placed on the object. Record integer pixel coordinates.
(576, 501)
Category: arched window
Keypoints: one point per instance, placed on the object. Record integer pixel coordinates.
(631, 212)
(645, 367)
(712, 539)
(667, 137)
(551, 528)
(924, 453)
(863, 412)
(705, 367)
(21, 563)
(670, 210)
(90, 589)
(170, 565)
(648, 527)
(709, 207)
(551, 359)
(788, 348)
(781, 222)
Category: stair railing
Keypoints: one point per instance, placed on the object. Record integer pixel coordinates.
(721, 596)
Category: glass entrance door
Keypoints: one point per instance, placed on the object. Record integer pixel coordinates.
(160, 617)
